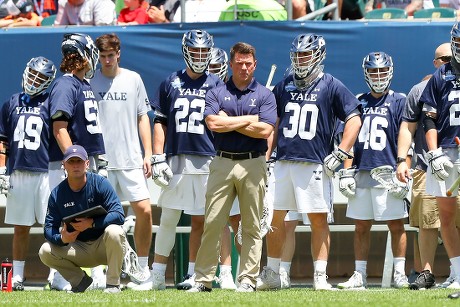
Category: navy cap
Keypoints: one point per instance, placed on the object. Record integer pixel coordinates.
(75, 151)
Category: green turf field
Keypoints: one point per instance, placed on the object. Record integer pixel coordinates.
(291, 297)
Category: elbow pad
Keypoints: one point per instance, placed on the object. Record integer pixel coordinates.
(429, 123)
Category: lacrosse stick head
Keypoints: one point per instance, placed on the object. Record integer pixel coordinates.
(384, 175)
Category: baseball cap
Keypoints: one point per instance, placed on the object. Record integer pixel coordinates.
(75, 151)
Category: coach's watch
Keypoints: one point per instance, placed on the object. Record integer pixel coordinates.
(400, 160)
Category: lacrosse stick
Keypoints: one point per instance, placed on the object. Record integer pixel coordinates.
(131, 267)
(385, 175)
(270, 76)
(456, 183)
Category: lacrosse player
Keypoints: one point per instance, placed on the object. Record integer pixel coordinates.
(122, 99)
(376, 146)
(74, 115)
(440, 103)
(182, 151)
(308, 103)
(423, 213)
(24, 140)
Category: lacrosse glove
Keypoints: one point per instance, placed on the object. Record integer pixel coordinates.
(347, 182)
(4, 181)
(161, 172)
(333, 161)
(399, 190)
(439, 163)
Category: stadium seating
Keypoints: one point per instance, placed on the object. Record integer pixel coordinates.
(48, 21)
(386, 13)
(437, 12)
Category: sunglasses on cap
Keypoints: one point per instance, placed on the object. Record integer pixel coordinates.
(444, 58)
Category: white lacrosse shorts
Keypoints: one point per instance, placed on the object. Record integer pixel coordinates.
(130, 185)
(185, 192)
(375, 203)
(302, 187)
(27, 199)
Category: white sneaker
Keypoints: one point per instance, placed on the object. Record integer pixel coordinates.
(448, 281)
(156, 281)
(356, 282)
(285, 279)
(99, 278)
(455, 285)
(400, 280)
(320, 281)
(225, 280)
(268, 280)
(59, 283)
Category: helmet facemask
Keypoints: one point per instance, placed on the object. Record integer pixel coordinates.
(38, 75)
(219, 63)
(196, 49)
(378, 71)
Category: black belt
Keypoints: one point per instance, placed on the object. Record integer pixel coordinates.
(239, 155)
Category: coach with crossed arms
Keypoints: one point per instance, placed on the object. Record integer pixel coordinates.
(93, 240)
(242, 115)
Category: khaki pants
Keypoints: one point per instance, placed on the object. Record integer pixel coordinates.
(108, 249)
(228, 179)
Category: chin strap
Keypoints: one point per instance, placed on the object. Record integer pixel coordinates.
(304, 83)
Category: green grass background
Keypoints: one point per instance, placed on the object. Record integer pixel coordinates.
(291, 297)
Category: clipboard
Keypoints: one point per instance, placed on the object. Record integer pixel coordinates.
(90, 212)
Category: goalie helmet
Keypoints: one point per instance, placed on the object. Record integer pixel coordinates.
(219, 63)
(83, 45)
(196, 49)
(307, 53)
(455, 41)
(38, 75)
(378, 71)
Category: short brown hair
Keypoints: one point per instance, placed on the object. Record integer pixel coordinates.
(243, 48)
(107, 42)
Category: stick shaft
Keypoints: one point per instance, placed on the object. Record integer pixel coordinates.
(453, 187)
(271, 75)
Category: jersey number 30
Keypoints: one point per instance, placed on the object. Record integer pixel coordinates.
(303, 121)
(27, 132)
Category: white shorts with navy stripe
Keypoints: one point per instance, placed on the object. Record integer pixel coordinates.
(185, 192)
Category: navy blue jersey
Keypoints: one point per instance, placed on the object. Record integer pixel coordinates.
(307, 119)
(377, 140)
(180, 99)
(442, 93)
(255, 100)
(75, 98)
(25, 124)
(64, 202)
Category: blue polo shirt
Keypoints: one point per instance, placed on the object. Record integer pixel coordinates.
(256, 99)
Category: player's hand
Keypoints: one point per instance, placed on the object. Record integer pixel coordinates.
(156, 15)
(4, 181)
(102, 164)
(147, 167)
(403, 172)
(333, 161)
(439, 163)
(161, 171)
(347, 182)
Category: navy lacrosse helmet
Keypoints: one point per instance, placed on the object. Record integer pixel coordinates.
(38, 75)
(219, 63)
(378, 71)
(83, 45)
(196, 49)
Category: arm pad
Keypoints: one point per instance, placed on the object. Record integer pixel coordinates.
(429, 123)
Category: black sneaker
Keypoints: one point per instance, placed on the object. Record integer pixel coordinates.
(454, 295)
(412, 276)
(187, 283)
(199, 287)
(85, 282)
(18, 286)
(424, 280)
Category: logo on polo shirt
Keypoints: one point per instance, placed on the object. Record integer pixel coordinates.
(226, 98)
(253, 102)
